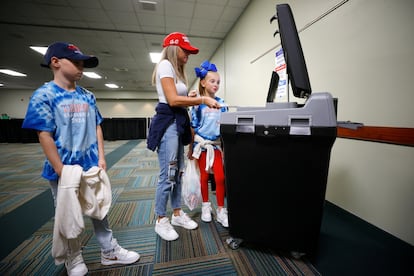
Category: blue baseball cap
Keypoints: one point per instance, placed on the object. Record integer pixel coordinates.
(69, 51)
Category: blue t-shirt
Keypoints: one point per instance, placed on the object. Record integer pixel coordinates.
(72, 118)
(206, 121)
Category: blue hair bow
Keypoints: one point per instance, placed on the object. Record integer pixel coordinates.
(204, 68)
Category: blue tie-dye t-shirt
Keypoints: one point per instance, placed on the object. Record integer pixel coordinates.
(72, 118)
(206, 121)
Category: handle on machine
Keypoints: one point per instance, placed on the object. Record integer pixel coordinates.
(245, 124)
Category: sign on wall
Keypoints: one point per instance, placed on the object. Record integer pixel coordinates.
(280, 69)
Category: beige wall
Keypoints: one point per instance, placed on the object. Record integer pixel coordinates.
(362, 53)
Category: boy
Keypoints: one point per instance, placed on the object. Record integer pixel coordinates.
(67, 121)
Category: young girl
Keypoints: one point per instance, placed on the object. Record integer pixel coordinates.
(205, 122)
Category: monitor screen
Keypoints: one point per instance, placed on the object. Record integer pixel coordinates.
(274, 83)
(295, 61)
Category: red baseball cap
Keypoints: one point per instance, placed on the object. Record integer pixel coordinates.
(179, 39)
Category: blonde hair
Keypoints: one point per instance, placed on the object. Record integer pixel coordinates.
(170, 53)
(201, 88)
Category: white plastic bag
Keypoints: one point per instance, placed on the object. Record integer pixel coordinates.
(191, 190)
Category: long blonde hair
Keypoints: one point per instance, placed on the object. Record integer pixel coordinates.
(202, 89)
(170, 53)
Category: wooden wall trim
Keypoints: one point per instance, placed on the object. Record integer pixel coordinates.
(391, 135)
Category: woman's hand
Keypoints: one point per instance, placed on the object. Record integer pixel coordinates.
(210, 102)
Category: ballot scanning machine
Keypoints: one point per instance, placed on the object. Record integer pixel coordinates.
(276, 158)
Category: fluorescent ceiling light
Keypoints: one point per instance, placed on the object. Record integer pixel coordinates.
(12, 73)
(92, 75)
(39, 49)
(155, 57)
(147, 2)
(111, 85)
(1, 84)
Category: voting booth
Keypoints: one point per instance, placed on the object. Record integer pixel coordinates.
(276, 159)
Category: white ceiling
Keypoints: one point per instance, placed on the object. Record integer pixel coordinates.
(121, 33)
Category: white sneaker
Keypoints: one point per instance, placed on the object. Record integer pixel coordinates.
(118, 255)
(75, 266)
(206, 211)
(164, 229)
(222, 217)
(184, 220)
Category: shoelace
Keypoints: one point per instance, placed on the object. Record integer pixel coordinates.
(117, 251)
(222, 214)
(185, 218)
(122, 251)
(208, 208)
(169, 227)
(77, 260)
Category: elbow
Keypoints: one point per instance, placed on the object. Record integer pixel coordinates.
(173, 103)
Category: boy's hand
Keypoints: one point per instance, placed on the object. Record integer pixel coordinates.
(102, 164)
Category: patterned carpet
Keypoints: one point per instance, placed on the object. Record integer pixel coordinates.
(133, 178)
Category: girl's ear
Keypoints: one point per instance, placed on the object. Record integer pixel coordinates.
(203, 82)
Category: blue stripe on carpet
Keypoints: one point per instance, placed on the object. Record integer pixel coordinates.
(20, 223)
(116, 155)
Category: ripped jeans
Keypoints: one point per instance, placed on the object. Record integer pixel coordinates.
(171, 162)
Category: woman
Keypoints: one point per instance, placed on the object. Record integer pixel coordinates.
(170, 131)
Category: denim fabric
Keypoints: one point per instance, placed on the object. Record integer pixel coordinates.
(171, 162)
(159, 123)
(101, 227)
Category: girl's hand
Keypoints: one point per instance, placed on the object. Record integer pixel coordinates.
(190, 154)
(192, 93)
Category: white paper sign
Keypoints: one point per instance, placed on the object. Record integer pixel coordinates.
(281, 71)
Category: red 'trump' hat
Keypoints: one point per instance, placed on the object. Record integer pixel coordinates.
(179, 39)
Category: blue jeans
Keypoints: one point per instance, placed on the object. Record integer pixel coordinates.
(101, 227)
(171, 162)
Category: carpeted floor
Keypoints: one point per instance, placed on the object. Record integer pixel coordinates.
(133, 172)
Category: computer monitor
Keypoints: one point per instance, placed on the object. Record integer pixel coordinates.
(292, 48)
(274, 83)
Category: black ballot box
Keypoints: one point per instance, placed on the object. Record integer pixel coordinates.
(276, 161)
